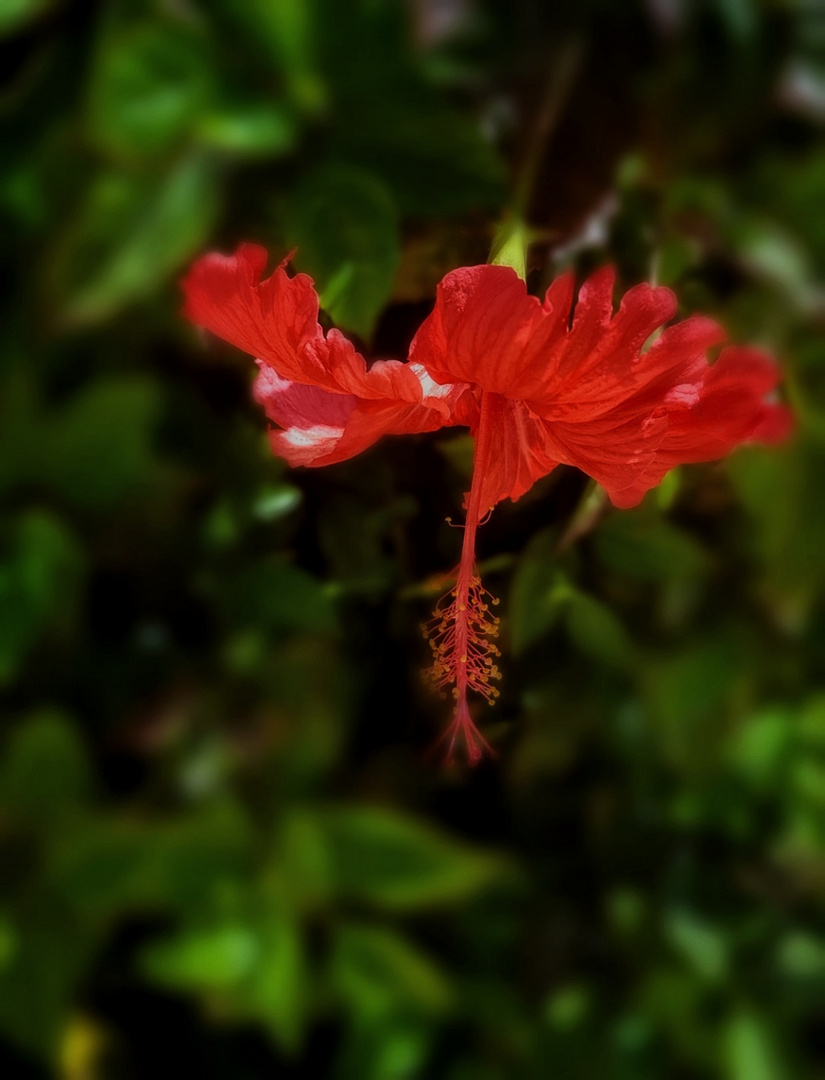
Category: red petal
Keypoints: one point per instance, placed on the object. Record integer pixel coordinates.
(520, 451)
(316, 427)
(276, 320)
(486, 329)
(702, 418)
(729, 409)
(591, 394)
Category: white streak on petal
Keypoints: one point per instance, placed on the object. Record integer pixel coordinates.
(304, 437)
(429, 387)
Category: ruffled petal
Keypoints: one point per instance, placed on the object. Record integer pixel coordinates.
(314, 427)
(277, 321)
(308, 422)
(590, 393)
(486, 328)
(710, 411)
(728, 408)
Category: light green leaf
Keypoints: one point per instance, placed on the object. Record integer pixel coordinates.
(273, 503)
(750, 1050)
(216, 958)
(702, 945)
(131, 233)
(758, 751)
(148, 85)
(277, 991)
(287, 32)
(249, 130)
(15, 14)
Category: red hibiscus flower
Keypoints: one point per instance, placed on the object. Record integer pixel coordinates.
(538, 384)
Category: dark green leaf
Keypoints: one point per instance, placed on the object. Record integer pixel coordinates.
(45, 773)
(344, 224)
(40, 574)
(99, 444)
(397, 862)
(377, 971)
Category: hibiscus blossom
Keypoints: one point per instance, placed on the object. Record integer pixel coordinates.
(539, 383)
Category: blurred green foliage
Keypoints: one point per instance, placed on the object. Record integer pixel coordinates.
(224, 848)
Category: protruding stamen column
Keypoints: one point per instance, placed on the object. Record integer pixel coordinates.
(462, 631)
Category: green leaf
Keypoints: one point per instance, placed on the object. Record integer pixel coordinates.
(15, 14)
(287, 33)
(539, 594)
(376, 971)
(383, 1047)
(781, 490)
(568, 1008)
(278, 596)
(99, 445)
(249, 130)
(688, 691)
(702, 945)
(131, 233)
(758, 751)
(8, 941)
(303, 859)
(40, 574)
(214, 958)
(102, 869)
(596, 631)
(399, 863)
(647, 547)
(276, 992)
(184, 864)
(801, 956)
(676, 255)
(148, 86)
(45, 771)
(432, 157)
(39, 983)
(751, 1053)
(273, 503)
(343, 222)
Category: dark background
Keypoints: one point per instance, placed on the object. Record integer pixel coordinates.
(224, 848)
